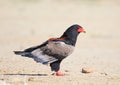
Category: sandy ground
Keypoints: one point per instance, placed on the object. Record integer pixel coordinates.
(31, 22)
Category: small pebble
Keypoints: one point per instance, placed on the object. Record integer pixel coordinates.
(67, 71)
(87, 70)
(104, 73)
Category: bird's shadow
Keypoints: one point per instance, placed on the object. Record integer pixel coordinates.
(27, 74)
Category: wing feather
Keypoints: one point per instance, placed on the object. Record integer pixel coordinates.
(43, 58)
(48, 52)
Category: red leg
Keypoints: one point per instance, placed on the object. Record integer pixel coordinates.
(58, 73)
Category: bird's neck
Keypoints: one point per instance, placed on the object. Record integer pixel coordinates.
(71, 40)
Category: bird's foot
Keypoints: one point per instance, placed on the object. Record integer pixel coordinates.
(58, 73)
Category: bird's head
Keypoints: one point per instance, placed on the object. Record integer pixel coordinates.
(72, 32)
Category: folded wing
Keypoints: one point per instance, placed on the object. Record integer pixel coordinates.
(48, 52)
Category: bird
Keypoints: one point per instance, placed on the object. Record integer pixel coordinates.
(54, 50)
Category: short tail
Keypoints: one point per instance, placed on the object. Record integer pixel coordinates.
(18, 52)
(22, 53)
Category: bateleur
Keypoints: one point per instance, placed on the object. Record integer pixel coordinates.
(54, 50)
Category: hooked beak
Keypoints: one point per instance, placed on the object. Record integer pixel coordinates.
(81, 30)
(84, 31)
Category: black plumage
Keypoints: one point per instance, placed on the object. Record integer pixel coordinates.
(54, 50)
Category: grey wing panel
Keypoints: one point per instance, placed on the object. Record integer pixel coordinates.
(39, 56)
(59, 48)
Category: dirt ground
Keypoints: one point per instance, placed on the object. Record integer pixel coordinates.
(26, 23)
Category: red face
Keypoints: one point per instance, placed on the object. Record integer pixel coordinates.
(81, 30)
